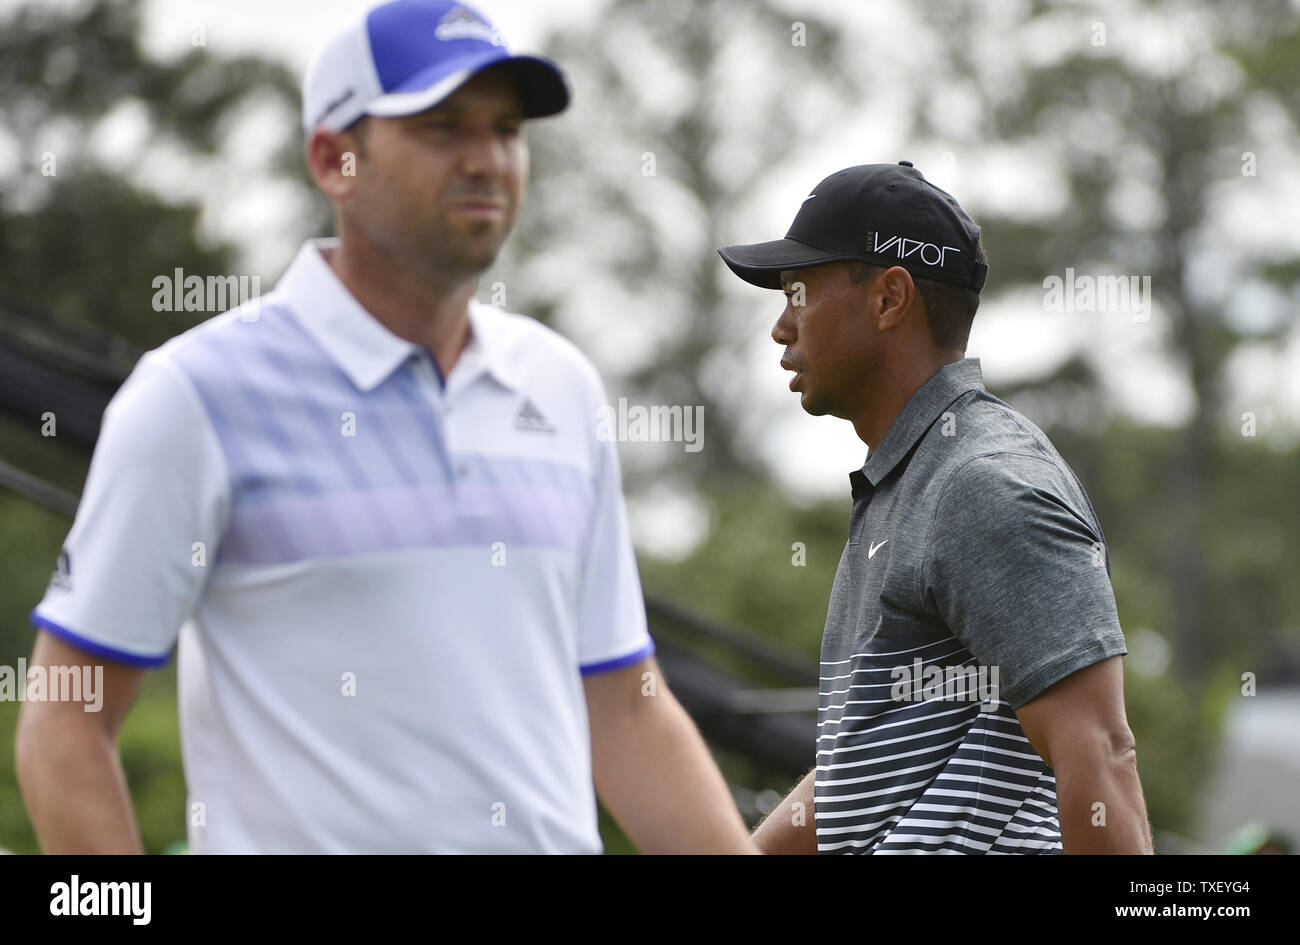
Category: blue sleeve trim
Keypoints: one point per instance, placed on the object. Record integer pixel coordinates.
(619, 662)
(99, 649)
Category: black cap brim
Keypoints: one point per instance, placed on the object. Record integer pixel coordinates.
(761, 264)
(539, 82)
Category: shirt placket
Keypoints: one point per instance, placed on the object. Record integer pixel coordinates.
(458, 385)
(427, 379)
(863, 491)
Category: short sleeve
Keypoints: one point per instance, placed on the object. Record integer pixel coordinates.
(612, 631)
(148, 526)
(1016, 567)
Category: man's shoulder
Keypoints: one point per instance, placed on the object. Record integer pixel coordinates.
(986, 423)
(154, 410)
(980, 434)
(990, 453)
(228, 335)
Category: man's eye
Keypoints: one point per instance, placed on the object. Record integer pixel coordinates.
(509, 130)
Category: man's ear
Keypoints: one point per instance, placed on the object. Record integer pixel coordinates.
(895, 294)
(332, 161)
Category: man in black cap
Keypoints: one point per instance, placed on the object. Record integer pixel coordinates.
(971, 688)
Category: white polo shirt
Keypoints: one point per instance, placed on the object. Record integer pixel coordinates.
(386, 590)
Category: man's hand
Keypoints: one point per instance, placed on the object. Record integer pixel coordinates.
(652, 769)
(67, 762)
(1078, 726)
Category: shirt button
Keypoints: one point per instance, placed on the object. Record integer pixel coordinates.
(462, 471)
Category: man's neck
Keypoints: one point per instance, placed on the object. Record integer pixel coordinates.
(416, 306)
(891, 393)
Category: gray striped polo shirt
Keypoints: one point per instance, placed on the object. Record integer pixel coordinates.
(975, 576)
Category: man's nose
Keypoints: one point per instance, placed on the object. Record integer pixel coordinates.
(483, 152)
(783, 330)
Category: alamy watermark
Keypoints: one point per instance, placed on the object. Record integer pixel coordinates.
(77, 898)
(1087, 293)
(181, 293)
(657, 423)
(53, 684)
(920, 683)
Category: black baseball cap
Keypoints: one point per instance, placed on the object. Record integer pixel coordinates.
(883, 214)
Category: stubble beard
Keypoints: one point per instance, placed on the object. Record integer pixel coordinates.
(810, 399)
(813, 406)
(468, 250)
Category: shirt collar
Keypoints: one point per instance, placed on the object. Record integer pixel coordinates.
(487, 343)
(921, 410)
(365, 350)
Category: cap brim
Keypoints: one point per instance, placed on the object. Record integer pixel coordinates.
(761, 264)
(539, 82)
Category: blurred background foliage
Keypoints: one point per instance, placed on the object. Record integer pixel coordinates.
(1200, 520)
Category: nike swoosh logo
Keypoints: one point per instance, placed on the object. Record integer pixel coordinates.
(871, 552)
(809, 197)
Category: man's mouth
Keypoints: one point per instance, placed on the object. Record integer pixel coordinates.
(797, 375)
(480, 208)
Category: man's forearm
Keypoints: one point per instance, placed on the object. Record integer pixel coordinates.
(791, 827)
(75, 789)
(1101, 806)
(655, 774)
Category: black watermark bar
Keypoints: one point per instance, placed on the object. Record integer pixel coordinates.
(80, 895)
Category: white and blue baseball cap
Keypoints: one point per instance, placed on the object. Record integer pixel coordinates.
(408, 55)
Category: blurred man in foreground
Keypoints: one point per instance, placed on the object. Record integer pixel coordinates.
(972, 694)
(417, 624)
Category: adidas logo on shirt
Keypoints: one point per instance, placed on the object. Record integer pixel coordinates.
(62, 576)
(531, 420)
